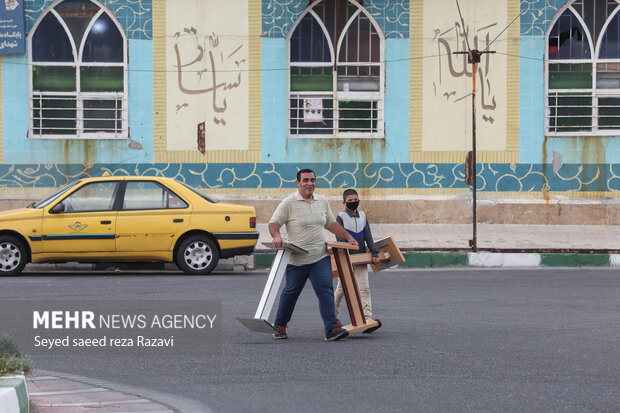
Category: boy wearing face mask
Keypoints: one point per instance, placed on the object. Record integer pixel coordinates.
(355, 222)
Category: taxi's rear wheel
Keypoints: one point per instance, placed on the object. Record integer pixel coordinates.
(197, 255)
(13, 256)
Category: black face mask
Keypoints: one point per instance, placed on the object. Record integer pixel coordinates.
(353, 205)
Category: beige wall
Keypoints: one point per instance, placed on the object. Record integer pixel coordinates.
(447, 81)
(210, 84)
(446, 211)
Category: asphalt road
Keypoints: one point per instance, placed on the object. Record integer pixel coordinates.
(453, 341)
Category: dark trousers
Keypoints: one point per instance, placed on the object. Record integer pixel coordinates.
(320, 274)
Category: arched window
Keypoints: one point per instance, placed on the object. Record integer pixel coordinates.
(336, 74)
(583, 70)
(78, 56)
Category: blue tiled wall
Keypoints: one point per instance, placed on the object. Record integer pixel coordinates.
(20, 149)
(537, 14)
(136, 16)
(391, 15)
(588, 164)
(490, 177)
(533, 146)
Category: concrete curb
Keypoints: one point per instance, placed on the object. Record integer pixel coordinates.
(61, 392)
(13, 395)
(261, 260)
(486, 259)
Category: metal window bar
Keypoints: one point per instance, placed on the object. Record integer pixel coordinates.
(109, 118)
(46, 115)
(569, 112)
(355, 115)
(371, 33)
(41, 119)
(360, 70)
(356, 121)
(358, 36)
(299, 125)
(586, 113)
(608, 112)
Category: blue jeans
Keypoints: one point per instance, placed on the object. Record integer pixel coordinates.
(320, 274)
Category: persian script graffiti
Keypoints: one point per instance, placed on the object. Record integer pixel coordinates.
(208, 70)
(451, 66)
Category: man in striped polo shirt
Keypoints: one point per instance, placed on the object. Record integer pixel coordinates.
(305, 214)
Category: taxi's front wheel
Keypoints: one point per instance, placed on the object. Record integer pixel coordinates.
(13, 256)
(197, 255)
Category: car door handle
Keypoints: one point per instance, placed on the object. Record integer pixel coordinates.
(106, 222)
(177, 220)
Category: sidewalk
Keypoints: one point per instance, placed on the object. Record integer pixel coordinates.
(53, 394)
(499, 245)
(440, 245)
(497, 236)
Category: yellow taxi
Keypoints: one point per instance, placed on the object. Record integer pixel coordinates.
(131, 218)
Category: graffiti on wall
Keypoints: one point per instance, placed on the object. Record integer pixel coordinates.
(209, 64)
(207, 76)
(458, 67)
(447, 84)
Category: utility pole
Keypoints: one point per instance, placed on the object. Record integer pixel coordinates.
(473, 58)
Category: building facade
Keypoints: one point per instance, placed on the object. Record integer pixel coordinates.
(234, 96)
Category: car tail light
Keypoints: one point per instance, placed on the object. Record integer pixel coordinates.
(253, 222)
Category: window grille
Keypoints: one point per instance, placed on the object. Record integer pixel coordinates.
(78, 76)
(336, 73)
(583, 70)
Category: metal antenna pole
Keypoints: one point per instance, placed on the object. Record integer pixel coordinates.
(464, 28)
(473, 59)
(474, 240)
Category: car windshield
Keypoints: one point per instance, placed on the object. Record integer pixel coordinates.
(46, 201)
(213, 201)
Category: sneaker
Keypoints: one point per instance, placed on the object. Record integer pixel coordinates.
(336, 334)
(281, 334)
(375, 328)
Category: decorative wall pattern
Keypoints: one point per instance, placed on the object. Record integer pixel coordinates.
(279, 16)
(391, 15)
(537, 15)
(491, 177)
(135, 15)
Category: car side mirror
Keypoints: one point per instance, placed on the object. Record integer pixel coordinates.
(58, 208)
